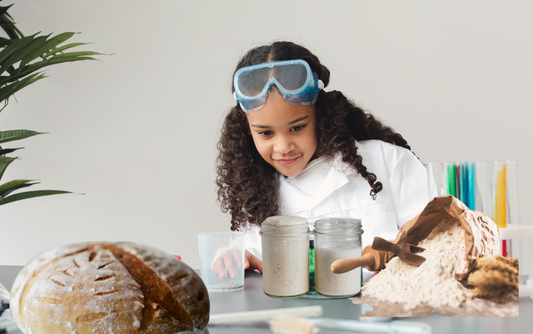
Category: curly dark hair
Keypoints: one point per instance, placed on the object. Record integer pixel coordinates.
(247, 183)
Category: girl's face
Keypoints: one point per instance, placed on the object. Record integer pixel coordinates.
(284, 134)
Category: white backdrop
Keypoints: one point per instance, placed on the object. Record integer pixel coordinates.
(136, 132)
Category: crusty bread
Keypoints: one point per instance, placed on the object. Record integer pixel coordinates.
(104, 287)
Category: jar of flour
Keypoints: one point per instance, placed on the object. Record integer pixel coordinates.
(285, 248)
(335, 239)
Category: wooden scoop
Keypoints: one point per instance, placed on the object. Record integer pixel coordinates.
(406, 252)
(371, 260)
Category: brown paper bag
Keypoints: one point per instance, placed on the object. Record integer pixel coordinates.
(482, 237)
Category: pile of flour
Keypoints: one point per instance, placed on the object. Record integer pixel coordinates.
(434, 281)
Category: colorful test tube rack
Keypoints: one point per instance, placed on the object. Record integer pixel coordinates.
(489, 187)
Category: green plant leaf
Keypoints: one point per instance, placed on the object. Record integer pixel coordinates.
(3, 10)
(16, 46)
(6, 22)
(25, 52)
(4, 42)
(63, 48)
(7, 91)
(4, 151)
(8, 187)
(77, 54)
(34, 50)
(56, 59)
(67, 57)
(31, 194)
(20, 73)
(41, 47)
(4, 163)
(11, 135)
(29, 48)
(21, 49)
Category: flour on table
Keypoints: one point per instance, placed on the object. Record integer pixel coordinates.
(434, 281)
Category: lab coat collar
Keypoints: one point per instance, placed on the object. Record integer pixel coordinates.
(339, 175)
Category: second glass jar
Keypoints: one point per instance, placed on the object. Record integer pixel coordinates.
(335, 239)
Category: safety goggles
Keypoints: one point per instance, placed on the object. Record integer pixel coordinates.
(294, 80)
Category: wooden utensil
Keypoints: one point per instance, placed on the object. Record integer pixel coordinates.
(406, 252)
(371, 260)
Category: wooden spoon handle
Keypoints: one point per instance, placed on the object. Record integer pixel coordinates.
(381, 244)
(345, 265)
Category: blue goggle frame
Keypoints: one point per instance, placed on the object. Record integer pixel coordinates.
(294, 80)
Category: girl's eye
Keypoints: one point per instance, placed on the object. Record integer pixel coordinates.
(297, 128)
(265, 133)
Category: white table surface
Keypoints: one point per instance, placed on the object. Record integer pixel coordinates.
(253, 298)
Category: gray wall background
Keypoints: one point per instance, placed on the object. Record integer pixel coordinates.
(136, 132)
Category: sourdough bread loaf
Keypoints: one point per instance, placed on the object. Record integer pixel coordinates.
(104, 287)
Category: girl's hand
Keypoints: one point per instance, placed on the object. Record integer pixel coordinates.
(251, 262)
(226, 263)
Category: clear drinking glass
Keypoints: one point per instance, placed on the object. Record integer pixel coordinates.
(221, 246)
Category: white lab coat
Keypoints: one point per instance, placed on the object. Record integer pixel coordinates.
(330, 188)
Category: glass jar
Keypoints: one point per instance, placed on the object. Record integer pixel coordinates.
(285, 248)
(335, 239)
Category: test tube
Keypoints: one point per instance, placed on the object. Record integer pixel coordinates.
(483, 187)
(449, 176)
(435, 180)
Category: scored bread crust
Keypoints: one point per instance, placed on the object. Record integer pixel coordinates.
(106, 287)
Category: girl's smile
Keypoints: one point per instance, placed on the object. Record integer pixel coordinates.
(284, 134)
(287, 161)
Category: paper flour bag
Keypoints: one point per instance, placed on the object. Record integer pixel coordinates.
(482, 237)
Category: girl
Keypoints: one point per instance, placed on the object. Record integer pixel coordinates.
(290, 148)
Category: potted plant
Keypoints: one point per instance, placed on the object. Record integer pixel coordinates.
(22, 59)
